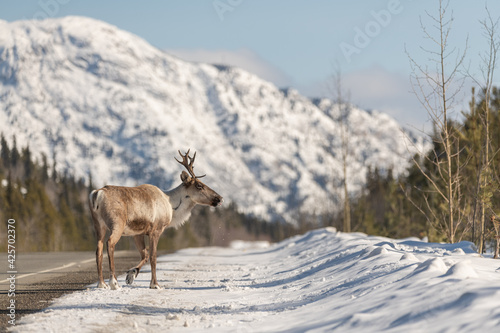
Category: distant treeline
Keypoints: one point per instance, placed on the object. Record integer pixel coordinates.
(51, 211)
(49, 208)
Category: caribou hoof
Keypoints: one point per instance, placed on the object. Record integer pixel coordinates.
(131, 275)
(102, 285)
(114, 284)
(155, 286)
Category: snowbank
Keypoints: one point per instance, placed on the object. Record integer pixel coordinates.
(323, 280)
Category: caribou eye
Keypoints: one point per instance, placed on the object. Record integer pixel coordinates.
(199, 186)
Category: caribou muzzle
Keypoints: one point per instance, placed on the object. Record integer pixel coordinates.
(217, 201)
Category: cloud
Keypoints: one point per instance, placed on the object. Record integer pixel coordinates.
(242, 58)
(380, 89)
(377, 88)
(377, 84)
(392, 93)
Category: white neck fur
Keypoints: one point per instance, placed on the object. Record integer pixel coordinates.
(181, 206)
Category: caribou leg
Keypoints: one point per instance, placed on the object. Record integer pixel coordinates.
(100, 234)
(115, 236)
(141, 246)
(153, 243)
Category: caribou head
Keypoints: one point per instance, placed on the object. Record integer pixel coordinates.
(198, 192)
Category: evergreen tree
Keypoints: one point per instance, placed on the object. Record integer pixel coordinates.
(14, 154)
(44, 172)
(5, 152)
(28, 165)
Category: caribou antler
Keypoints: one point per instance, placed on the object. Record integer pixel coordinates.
(187, 161)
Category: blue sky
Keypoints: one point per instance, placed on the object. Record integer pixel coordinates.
(294, 42)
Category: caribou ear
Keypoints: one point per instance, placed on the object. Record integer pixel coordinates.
(186, 179)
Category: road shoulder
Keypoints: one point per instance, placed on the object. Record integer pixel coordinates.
(34, 296)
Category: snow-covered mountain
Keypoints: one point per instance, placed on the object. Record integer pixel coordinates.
(103, 101)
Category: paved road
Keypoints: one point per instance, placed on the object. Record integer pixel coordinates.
(37, 267)
(42, 277)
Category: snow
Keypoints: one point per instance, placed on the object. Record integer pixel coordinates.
(103, 101)
(321, 281)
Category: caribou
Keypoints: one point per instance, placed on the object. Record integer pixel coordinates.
(144, 210)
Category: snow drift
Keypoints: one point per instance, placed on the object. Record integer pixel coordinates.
(321, 281)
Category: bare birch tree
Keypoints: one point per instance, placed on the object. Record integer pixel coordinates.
(437, 89)
(341, 101)
(487, 68)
